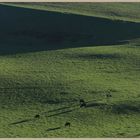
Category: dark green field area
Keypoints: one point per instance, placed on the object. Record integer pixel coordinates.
(121, 11)
(54, 54)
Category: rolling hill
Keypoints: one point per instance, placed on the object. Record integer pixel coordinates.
(54, 54)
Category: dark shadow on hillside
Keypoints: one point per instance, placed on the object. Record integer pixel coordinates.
(27, 30)
(125, 108)
(94, 56)
(52, 129)
(137, 135)
(22, 121)
(120, 108)
(28, 94)
(63, 112)
(59, 109)
(96, 104)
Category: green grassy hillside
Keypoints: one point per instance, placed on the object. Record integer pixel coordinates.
(51, 59)
(115, 11)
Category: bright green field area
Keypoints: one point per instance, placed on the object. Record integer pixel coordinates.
(49, 60)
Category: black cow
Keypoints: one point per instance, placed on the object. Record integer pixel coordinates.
(82, 103)
(108, 95)
(37, 116)
(67, 124)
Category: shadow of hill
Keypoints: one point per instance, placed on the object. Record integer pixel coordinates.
(27, 30)
(125, 108)
(96, 104)
(88, 56)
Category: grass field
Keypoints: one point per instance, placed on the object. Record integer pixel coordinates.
(53, 54)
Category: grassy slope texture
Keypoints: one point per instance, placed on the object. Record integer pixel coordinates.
(53, 54)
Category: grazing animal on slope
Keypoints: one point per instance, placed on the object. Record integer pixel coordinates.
(108, 95)
(67, 124)
(37, 116)
(82, 103)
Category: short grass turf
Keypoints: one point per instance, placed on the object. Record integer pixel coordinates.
(50, 60)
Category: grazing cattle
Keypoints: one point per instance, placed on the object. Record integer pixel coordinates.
(108, 95)
(82, 103)
(67, 124)
(37, 116)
